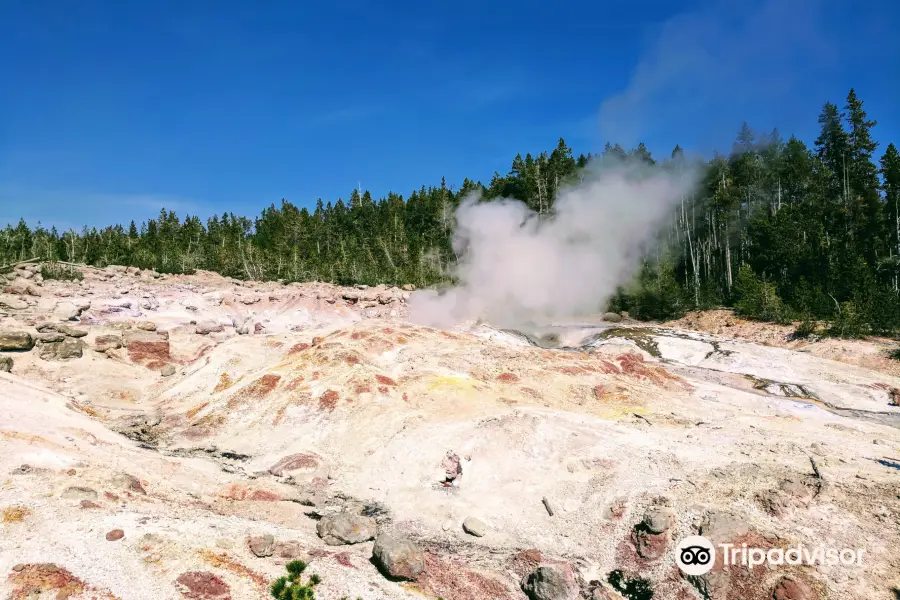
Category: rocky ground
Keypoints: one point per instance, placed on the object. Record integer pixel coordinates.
(187, 436)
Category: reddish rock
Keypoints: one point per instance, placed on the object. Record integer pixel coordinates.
(148, 347)
(385, 380)
(115, 535)
(87, 504)
(507, 378)
(328, 401)
(649, 545)
(295, 462)
(239, 492)
(793, 589)
(203, 585)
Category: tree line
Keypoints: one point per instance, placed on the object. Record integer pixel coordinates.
(776, 229)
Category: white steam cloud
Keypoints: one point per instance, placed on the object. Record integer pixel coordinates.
(517, 269)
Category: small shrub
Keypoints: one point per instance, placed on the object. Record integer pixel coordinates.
(291, 586)
(849, 322)
(805, 329)
(54, 270)
(895, 354)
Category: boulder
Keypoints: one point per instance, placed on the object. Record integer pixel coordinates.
(397, 557)
(147, 346)
(79, 493)
(167, 371)
(108, 342)
(551, 582)
(208, 327)
(6, 364)
(612, 317)
(346, 528)
(22, 287)
(68, 349)
(49, 337)
(63, 329)
(146, 326)
(16, 341)
(475, 526)
(262, 545)
(125, 481)
(659, 520)
(69, 311)
(10, 302)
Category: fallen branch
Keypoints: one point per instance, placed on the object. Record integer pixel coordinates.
(547, 505)
(642, 417)
(819, 479)
(21, 262)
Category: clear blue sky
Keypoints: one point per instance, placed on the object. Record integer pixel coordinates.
(110, 110)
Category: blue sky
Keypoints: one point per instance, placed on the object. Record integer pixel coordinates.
(110, 110)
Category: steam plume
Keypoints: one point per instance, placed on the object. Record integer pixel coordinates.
(516, 269)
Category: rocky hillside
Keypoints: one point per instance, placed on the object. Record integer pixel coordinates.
(188, 436)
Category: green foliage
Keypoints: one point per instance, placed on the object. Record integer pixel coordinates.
(805, 329)
(757, 298)
(291, 586)
(658, 296)
(54, 270)
(849, 323)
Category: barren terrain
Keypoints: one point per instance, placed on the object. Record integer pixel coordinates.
(154, 430)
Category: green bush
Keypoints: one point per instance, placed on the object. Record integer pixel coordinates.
(806, 328)
(54, 270)
(758, 299)
(849, 322)
(291, 586)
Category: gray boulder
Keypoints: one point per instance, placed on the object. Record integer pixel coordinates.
(612, 317)
(167, 371)
(10, 302)
(398, 557)
(16, 341)
(551, 582)
(208, 327)
(6, 364)
(68, 349)
(346, 528)
(475, 526)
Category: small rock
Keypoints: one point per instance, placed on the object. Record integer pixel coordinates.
(793, 589)
(19, 341)
(115, 535)
(146, 326)
(6, 364)
(448, 524)
(18, 568)
(346, 528)
(408, 287)
(398, 557)
(167, 371)
(88, 504)
(79, 493)
(452, 467)
(475, 526)
(551, 582)
(262, 545)
(124, 481)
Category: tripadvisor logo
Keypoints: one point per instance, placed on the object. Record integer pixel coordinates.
(696, 555)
